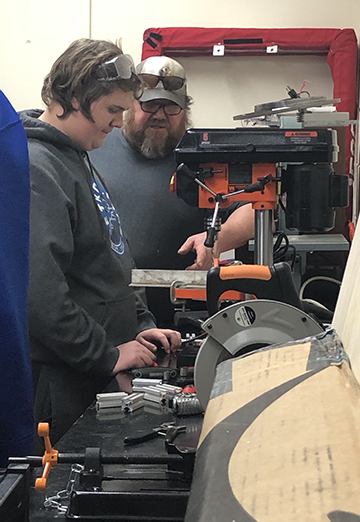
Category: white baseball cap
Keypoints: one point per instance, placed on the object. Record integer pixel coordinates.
(164, 79)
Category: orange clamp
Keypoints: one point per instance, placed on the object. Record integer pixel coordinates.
(50, 458)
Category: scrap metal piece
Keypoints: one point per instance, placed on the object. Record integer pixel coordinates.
(133, 402)
(155, 394)
(170, 389)
(165, 278)
(161, 393)
(110, 400)
(186, 404)
(139, 383)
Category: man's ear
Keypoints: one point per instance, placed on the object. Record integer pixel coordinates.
(75, 104)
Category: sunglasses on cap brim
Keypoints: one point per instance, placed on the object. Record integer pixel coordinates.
(121, 67)
(170, 83)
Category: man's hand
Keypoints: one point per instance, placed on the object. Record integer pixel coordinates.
(204, 258)
(170, 340)
(235, 232)
(133, 355)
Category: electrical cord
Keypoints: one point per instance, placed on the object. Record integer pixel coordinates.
(281, 250)
(322, 311)
(317, 278)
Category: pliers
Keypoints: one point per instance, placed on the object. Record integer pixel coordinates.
(172, 432)
(149, 434)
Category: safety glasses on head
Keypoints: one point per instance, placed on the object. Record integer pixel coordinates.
(121, 67)
(162, 70)
(170, 83)
(152, 107)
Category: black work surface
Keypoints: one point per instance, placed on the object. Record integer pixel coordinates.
(107, 429)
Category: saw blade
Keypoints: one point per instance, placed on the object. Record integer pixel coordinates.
(242, 328)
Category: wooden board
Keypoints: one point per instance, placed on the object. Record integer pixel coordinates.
(347, 312)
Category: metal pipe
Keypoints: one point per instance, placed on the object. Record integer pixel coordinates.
(263, 244)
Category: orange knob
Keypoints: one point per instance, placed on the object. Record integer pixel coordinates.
(50, 458)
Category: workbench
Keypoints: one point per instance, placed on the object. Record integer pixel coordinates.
(106, 429)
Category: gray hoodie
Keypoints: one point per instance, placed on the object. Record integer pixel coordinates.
(80, 302)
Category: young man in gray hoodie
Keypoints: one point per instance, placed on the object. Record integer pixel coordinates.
(86, 322)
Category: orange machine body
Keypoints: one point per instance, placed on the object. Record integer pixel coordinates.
(220, 184)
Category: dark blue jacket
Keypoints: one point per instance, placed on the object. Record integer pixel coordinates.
(16, 406)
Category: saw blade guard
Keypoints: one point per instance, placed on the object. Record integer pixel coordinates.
(242, 328)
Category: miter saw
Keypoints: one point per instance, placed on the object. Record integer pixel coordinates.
(220, 166)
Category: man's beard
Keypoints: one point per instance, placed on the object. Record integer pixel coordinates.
(155, 146)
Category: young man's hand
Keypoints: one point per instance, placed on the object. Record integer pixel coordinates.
(133, 355)
(170, 340)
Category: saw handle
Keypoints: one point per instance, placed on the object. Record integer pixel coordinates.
(274, 282)
(50, 458)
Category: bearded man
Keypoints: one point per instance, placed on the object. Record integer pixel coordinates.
(137, 163)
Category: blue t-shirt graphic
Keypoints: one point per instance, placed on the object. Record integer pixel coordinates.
(110, 216)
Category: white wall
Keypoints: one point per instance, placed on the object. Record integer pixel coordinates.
(114, 18)
(34, 32)
(223, 87)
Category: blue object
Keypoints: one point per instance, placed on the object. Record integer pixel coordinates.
(16, 390)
